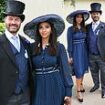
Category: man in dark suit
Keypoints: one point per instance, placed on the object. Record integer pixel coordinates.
(15, 66)
(96, 47)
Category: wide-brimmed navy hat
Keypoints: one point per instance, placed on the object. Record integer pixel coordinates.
(71, 16)
(31, 27)
(95, 7)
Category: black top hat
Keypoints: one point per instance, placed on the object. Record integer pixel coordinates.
(95, 7)
(15, 8)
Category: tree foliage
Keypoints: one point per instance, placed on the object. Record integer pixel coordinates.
(2, 28)
(2, 8)
(72, 2)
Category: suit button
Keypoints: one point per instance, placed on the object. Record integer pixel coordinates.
(17, 72)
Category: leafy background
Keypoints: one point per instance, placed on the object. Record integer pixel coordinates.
(2, 8)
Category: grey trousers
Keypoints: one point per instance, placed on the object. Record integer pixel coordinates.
(21, 99)
(97, 68)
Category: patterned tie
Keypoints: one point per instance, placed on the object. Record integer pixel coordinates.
(16, 43)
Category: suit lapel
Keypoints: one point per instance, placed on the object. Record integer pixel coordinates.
(90, 26)
(98, 29)
(23, 42)
(26, 46)
(6, 46)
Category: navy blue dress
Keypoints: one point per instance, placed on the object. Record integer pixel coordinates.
(78, 51)
(52, 79)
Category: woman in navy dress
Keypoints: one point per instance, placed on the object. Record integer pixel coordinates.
(51, 72)
(76, 37)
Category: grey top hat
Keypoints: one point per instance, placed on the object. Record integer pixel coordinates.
(95, 7)
(31, 27)
(15, 8)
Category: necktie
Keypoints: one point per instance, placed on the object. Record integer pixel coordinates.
(94, 26)
(16, 43)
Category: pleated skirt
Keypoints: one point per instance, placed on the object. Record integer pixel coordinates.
(80, 59)
(48, 89)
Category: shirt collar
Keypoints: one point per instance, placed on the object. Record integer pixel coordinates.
(96, 23)
(9, 35)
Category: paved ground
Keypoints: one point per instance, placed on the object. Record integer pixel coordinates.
(89, 98)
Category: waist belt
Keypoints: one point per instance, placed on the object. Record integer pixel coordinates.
(78, 41)
(45, 70)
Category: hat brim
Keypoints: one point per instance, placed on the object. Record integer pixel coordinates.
(31, 27)
(22, 16)
(71, 16)
(96, 11)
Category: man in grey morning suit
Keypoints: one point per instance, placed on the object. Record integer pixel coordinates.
(96, 48)
(15, 63)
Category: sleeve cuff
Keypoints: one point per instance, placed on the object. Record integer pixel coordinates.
(68, 92)
(70, 55)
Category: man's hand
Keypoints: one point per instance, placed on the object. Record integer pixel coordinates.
(70, 60)
(67, 100)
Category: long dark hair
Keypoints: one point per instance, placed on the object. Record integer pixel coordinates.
(83, 27)
(52, 40)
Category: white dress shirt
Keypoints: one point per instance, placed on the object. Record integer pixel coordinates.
(95, 25)
(14, 39)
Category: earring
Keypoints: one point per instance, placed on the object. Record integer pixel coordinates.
(39, 45)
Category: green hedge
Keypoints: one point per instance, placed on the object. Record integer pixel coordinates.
(2, 9)
(2, 28)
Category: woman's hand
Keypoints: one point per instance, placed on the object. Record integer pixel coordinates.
(67, 100)
(70, 60)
